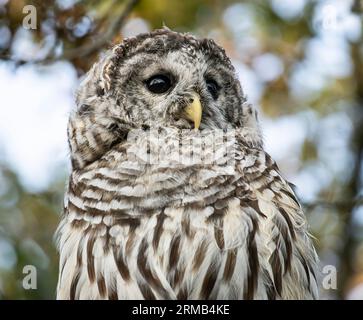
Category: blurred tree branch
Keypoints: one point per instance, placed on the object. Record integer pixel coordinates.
(344, 206)
(103, 39)
(92, 45)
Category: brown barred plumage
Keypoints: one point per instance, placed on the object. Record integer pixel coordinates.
(136, 229)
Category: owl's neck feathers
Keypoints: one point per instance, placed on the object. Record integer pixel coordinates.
(90, 141)
(191, 168)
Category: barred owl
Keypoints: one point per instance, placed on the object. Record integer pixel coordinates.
(223, 225)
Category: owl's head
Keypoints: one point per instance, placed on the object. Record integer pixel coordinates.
(158, 79)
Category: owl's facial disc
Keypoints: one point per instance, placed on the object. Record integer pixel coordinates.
(172, 80)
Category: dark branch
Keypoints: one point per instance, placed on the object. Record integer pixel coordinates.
(104, 39)
(343, 206)
(90, 47)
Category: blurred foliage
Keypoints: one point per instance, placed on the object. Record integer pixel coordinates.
(78, 31)
(27, 224)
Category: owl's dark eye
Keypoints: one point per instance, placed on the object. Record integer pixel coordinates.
(158, 84)
(213, 88)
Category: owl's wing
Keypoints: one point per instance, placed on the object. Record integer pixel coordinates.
(246, 238)
(263, 229)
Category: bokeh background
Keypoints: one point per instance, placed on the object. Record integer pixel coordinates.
(300, 62)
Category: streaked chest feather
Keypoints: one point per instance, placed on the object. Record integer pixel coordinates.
(133, 231)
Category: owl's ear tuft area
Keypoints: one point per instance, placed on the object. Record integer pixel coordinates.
(97, 82)
(84, 109)
(249, 127)
(91, 130)
(100, 91)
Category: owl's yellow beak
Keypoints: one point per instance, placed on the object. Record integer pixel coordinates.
(194, 111)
